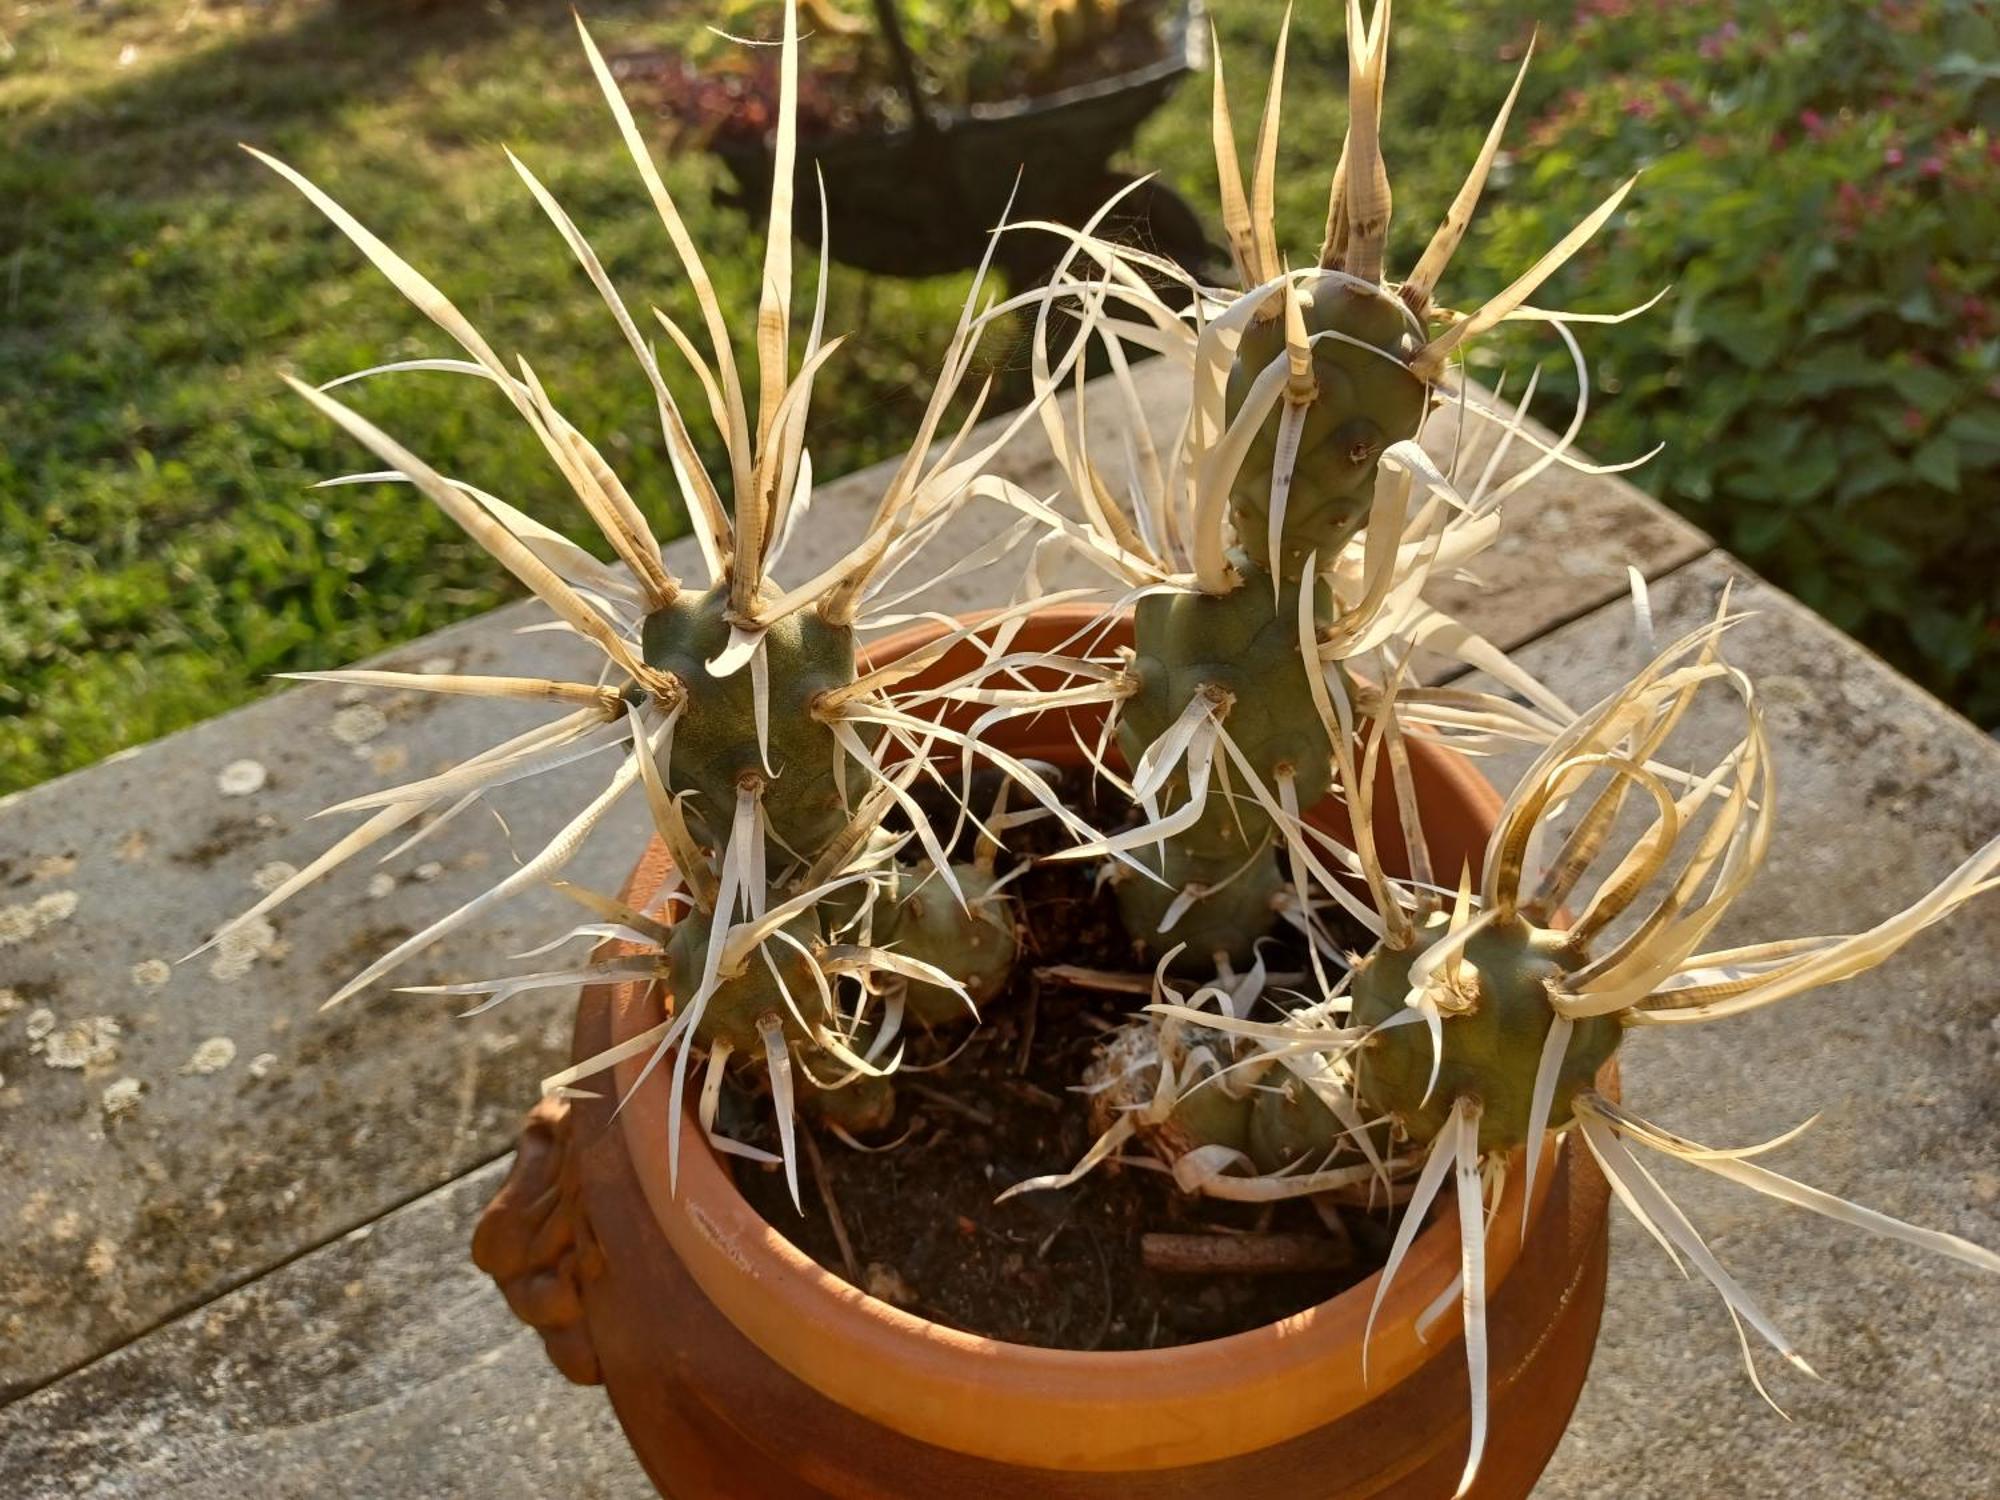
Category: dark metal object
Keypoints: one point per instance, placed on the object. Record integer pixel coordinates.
(923, 200)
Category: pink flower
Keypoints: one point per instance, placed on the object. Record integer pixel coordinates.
(1893, 157)
(1931, 166)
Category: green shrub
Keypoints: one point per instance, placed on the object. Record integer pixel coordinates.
(1822, 191)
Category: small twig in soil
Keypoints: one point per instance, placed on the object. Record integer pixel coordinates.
(945, 1101)
(1028, 1026)
(1104, 1268)
(1097, 979)
(832, 1207)
(1336, 1226)
(1029, 1093)
(1242, 1254)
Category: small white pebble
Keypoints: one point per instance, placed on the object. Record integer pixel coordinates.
(380, 884)
(121, 1098)
(10, 1000)
(41, 1021)
(430, 869)
(212, 1056)
(262, 1063)
(241, 777)
(151, 973)
(436, 664)
(269, 877)
(358, 723)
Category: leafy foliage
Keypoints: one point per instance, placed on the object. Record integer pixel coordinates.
(1822, 192)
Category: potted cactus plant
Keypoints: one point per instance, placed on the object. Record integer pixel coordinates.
(1345, 1021)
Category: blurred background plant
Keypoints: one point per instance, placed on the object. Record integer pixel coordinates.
(966, 52)
(1822, 191)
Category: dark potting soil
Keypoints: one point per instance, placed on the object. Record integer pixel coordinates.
(1060, 1269)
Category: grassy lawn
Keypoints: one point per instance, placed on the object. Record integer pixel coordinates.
(160, 550)
(162, 553)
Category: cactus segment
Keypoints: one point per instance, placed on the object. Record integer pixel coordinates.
(1242, 649)
(776, 979)
(715, 741)
(864, 1105)
(1238, 895)
(1365, 399)
(1291, 1126)
(1496, 1019)
(976, 943)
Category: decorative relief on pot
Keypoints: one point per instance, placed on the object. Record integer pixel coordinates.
(535, 1241)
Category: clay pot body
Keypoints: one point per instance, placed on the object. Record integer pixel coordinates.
(741, 1370)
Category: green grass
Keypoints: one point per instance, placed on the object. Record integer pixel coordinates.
(161, 553)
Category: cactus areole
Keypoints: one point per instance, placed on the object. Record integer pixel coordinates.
(1365, 398)
(1494, 1026)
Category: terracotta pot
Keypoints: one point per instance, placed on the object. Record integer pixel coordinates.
(742, 1370)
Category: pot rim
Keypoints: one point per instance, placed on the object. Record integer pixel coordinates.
(1105, 1410)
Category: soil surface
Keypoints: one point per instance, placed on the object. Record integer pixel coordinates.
(1059, 1269)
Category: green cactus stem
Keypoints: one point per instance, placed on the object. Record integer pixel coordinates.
(1124, 1081)
(862, 1105)
(1495, 1022)
(976, 943)
(1365, 398)
(715, 741)
(1240, 648)
(760, 987)
(1291, 1126)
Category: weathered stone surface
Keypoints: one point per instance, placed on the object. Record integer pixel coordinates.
(1881, 791)
(383, 1364)
(226, 1125)
(1566, 539)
